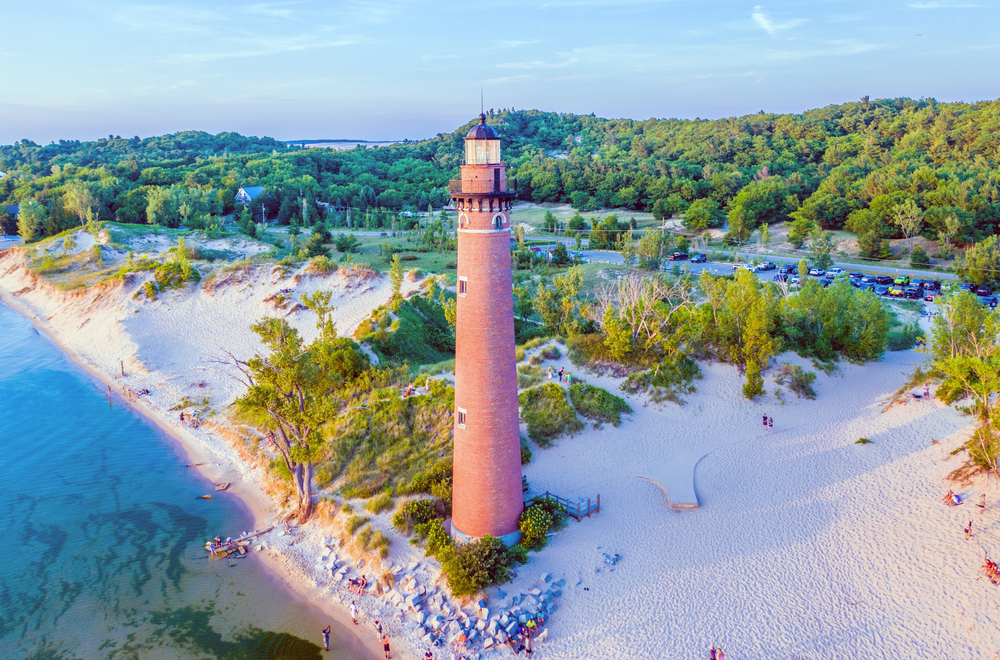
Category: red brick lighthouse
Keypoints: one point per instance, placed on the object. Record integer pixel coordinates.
(487, 496)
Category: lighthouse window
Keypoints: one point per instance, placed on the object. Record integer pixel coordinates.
(498, 222)
(461, 418)
(463, 286)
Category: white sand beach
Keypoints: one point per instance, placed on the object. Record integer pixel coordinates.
(804, 544)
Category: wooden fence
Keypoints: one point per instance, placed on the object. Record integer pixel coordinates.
(577, 509)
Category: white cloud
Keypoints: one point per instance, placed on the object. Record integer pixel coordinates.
(538, 64)
(769, 26)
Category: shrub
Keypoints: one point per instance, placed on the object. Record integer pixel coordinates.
(478, 565)
(902, 338)
(355, 522)
(667, 381)
(383, 543)
(525, 451)
(519, 553)
(862, 441)
(175, 274)
(534, 523)
(797, 380)
(919, 258)
(412, 513)
(322, 265)
(547, 413)
(150, 290)
(598, 404)
(439, 544)
(380, 502)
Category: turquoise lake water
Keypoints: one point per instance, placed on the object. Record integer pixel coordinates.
(103, 553)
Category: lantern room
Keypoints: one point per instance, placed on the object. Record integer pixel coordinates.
(482, 145)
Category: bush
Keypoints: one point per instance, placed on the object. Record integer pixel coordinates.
(175, 274)
(380, 502)
(478, 565)
(547, 413)
(534, 523)
(322, 265)
(412, 513)
(919, 258)
(439, 544)
(525, 451)
(902, 338)
(598, 404)
(797, 380)
(667, 381)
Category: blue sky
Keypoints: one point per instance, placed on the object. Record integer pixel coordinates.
(84, 69)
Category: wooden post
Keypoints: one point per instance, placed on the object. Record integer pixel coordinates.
(122, 362)
(588, 507)
(598, 503)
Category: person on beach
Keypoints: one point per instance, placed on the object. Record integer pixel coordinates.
(378, 627)
(711, 653)
(927, 391)
(770, 424)
(182, 418)
(549, 374)
(765, 422)
(569, 379)
(326, 638)
(354, 613)
(968, 530)
(947, 497)
(720, 655)
(562, 370)
(982, 503)
(429, 655)
(385, 646)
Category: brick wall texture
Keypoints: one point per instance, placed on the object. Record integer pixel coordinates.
(487, 469)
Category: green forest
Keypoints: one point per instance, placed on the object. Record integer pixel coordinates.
(857, 166)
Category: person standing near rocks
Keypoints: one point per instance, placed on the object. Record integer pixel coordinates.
(326, 638)
(378, 627)
(429, 655)
(354, 613)
(385, 646)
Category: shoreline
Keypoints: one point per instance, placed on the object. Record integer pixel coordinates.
(254, 501)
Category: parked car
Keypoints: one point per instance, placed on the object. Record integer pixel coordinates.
(855, 276)
(788, 269)
(856, 283)
(916, 281)
(883, 279)
(881, 289)
(817, 272)
(983, 290)
(869, 279)
(965, 286)
(895, 291)
(932, 285)
(867, 286)
(678, 256)
(698, 258)
(913, 292)
(780, 277)
(929, 295)
(767, 265)
(833, 272)
(795, 280)
(902, 280)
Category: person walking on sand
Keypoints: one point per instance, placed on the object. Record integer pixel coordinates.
(770, 424)
(982, 503)
(354, 613)
(765, 422)
(562, 370)
(968, 530)
(927, 391)
(326, 638)
(549, 374)
(711, 653)
(378, 627)
(721, 655)
(385, 646)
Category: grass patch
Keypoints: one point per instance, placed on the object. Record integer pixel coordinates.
(420, 334)
(548, 414)
(528, 376)
(356, 522)
(379, 503)
(668, 381)
(862, 441)
(598, 404)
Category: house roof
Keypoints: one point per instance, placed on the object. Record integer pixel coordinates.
(13, 208)
(252, 191)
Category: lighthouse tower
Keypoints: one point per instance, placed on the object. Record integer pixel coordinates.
(487, 497)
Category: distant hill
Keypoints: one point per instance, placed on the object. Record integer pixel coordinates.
(843, 166)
